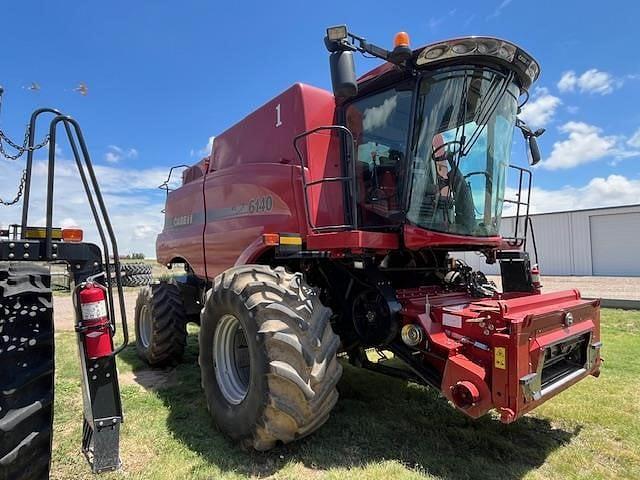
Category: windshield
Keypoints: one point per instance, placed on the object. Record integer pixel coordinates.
(462, 144)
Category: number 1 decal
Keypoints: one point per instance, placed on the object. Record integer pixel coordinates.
(278, 120)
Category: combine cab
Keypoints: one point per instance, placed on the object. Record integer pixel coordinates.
(330, 222)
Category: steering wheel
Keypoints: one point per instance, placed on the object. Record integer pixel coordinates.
(449, 154)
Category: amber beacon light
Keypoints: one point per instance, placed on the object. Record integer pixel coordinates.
(401, 39)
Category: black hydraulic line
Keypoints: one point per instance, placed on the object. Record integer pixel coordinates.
(429, 375)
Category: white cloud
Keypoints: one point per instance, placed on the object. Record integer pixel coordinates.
(598, 192)
(376, 117)
(133, 201)
(499, 9)
(540, 110)
(567, 82)
(433, 23)
(591, 81)
(115, 154)
(634, 141)
(585, 143)
(204, 151)
(468, 21)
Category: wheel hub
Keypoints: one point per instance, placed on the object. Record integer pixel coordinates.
(145, 326)
(231, 359)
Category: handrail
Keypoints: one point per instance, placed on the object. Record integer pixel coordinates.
(350, 178)
(100, 214)
(27, 182)
(165, 184)
(516, 240)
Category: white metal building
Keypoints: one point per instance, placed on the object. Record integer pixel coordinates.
(598, 241)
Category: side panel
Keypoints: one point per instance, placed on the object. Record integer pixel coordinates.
(265, 135)
(183, 227)
(242, 203)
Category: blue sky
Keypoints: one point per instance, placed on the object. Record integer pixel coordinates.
(165, 76)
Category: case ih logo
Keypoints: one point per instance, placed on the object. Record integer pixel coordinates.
(182, 220)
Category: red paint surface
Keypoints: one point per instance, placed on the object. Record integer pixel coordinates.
(524, 326)
(416, 238)
(97, 334)
(255, 160)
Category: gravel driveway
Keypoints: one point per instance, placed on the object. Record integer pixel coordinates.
(626, 288)
(64, 316)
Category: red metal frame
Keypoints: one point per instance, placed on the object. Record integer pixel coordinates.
(462, 345)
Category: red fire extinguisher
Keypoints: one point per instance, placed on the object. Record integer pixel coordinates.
(535, 278)
(95, 321)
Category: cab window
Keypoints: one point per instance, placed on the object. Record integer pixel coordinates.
(379, 124)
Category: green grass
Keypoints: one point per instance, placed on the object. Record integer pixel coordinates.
(381, 428)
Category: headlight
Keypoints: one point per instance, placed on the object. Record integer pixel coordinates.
(524, 64)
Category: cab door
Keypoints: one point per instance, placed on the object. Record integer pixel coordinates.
(380, 126)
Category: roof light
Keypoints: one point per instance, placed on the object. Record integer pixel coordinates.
(337, 33)
(401, 39)
(526, 67)
(464, 47)
(72, 234)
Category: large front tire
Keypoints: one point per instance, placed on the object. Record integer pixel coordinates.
(26, 371)
(267, 356)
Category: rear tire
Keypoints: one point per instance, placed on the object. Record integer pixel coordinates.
(136, 280)
(161, 324)
(135, 268)
(273, 320)
(26, 372)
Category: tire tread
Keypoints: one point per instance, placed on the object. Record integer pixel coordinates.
(26, 376)
(169, 324)
(300, 344)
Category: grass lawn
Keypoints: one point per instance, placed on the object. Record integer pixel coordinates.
(381, 428)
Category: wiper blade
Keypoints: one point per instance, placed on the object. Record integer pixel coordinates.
(482, 122)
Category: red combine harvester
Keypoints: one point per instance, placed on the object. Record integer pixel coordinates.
(327, 223)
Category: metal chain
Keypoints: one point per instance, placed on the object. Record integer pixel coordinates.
(20, 190)
(20, 151)
(20, 148)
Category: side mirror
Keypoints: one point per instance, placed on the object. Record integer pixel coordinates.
(535, 151)
(531, 138)
(343, 74)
